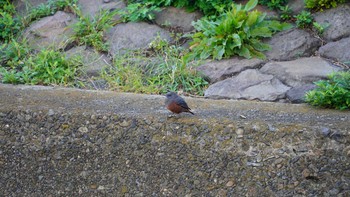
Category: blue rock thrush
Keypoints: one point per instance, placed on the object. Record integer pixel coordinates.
(176, 104)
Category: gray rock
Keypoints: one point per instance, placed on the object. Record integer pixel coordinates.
(92, 7)
(130, 36)
(292, 44)
(299, 72)
(338, 50)
(51, 31)
(296, 6)
(220, 70)
(93, 61)
(339, 21)
(296, 94)
(249, 84)
(177, 18)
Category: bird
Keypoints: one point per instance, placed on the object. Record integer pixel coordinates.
(176, 104)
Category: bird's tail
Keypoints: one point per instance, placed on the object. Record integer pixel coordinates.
(190, 112)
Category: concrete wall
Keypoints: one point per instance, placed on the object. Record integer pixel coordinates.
(66, 142)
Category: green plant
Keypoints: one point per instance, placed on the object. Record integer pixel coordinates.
(139, 12)
(332, 93)
(319, 27)
(45, 68)
(274, 4)
(90, 31)
(13, 53)
(9, 24)
(208, 8)
(236, 32)
(322, 4)
(286, 13)
(47, 9)
(159, 70)
(304, 19)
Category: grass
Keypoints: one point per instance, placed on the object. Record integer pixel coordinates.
(160, 70)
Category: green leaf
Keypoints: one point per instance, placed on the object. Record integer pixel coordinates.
(250, 5)
(244, 52)
(252, 17)
(261, 32)
(258, 45)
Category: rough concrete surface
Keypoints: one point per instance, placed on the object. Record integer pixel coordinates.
(67, 142)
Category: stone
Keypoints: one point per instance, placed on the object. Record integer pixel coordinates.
(300, 72)
(230, 183)
(93, 7)
(297, 94)
(219, 70)
(296, 6)
(131, 36)
(51, 31)
(292, 44)
(93, 61)
(338, 51)
(177, 18)
(338, 20)
(249, 84)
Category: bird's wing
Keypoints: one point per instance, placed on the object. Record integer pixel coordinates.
(180, 101)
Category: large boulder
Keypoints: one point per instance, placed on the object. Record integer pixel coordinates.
(292, 44)
(296, 6)
(220, 70)
(92, 7)
(338, 50)
(301, 71)
(249, 84)
(297, 94)
(338, 20)
(128, 36)
(177, 18)
(51, 31)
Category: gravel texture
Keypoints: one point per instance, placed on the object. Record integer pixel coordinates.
(66, 142)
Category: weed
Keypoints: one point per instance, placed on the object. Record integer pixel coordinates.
(139, 12)
(319, 27)
(286, 13)
(236, 32)
(164, 70)
(45, 68)
(274, 4)
(47, 9)
(304, 19)
(90, 31)
(332, 93)
(322, 4)
(9, 24)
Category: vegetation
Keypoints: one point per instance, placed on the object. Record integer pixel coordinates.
(47, 9)
(236, 32)
(208, 8)
(159, 70)
(226, 30)
(45, 68)
(9, 24)
(332, 93)
(322, 4)
(274, 4)
(304, 19)
(90, 31)
(139, 12)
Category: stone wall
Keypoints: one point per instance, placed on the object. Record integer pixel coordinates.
(66, 142)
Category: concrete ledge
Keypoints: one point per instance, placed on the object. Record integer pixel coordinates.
(68, 142)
